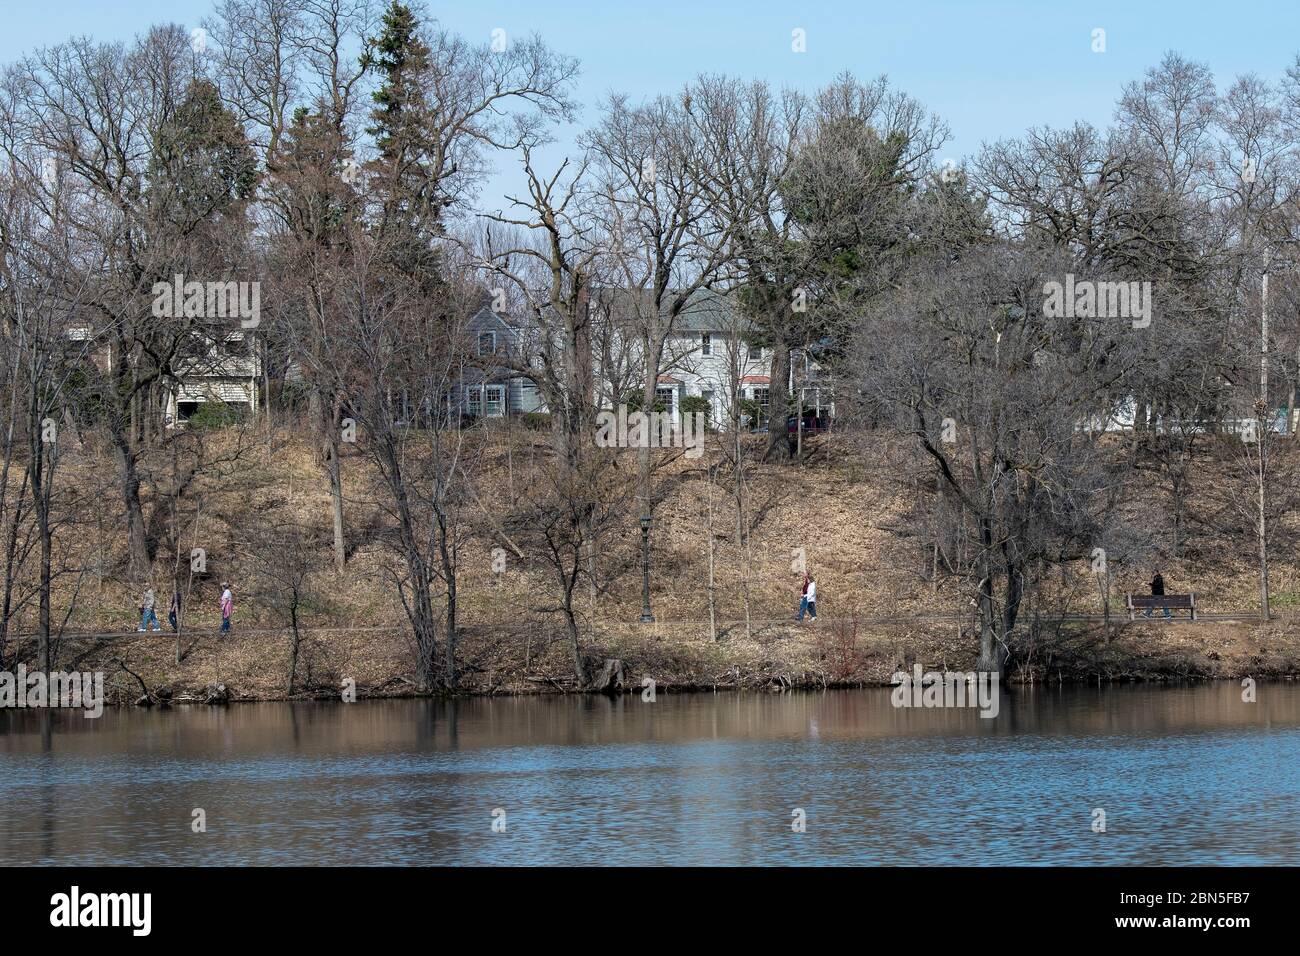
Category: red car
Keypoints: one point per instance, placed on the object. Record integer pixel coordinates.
(813, 424)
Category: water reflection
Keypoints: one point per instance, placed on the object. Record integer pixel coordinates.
(1185, 775)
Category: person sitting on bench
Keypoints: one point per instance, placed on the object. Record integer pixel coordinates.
(1157, 590)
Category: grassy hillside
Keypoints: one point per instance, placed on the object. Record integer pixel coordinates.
(847, 506)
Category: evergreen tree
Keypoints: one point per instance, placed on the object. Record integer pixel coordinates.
(202, 165)
(412, 206)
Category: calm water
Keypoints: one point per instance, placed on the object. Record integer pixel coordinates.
(1185, 774)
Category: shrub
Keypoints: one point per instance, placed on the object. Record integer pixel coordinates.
(753, 410)
(294, 394)
(697, 403)
(634, 400)
(214, 415)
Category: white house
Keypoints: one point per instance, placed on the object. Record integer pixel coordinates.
(217, 364)
(708, 356)
(214, 364)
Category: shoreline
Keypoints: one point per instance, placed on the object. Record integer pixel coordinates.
(504, 661)
(1011, 687)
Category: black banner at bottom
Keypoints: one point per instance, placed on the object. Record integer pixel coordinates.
(341, 905)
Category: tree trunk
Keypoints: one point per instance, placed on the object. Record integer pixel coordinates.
(420, 611)
(448, 559)
(713, 547)
(12, 567)
(137, 539)
(41, 498)
(579, 672)
(293, 650)
(778, 404)
(1262, 524)
(325, 423)
(336, 503)
(989, 659)
(419, 603)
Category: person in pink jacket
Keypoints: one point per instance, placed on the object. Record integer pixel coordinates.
(227, 607)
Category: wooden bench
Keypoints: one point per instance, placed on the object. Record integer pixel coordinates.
(1176, 602)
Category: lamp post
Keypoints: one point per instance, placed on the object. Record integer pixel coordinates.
(646, 616)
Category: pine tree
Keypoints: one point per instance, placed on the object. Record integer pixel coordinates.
(203, 164)
(412, 203)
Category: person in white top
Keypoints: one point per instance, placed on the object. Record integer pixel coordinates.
(812, 599)
(227, 607)
(146, 610)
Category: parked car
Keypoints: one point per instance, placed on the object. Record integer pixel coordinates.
(813, 424)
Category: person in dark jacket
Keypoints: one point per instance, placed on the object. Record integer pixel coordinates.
(1158, 590)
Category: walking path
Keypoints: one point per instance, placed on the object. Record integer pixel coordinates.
(822, 621)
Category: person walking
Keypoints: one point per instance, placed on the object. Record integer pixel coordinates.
(1158, 590)
(227, 607)
(146, 610)
(812, 599)
(803, 597)
(174, 611)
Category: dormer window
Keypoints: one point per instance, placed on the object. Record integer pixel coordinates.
(706, 343)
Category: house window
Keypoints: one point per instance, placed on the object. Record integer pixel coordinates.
(754, 353)
(708, 397)
(664, 397)
(706, 343)
(761, 396)
(487, 343)
(485, 401)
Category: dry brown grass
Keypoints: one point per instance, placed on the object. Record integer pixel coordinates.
(843, 507)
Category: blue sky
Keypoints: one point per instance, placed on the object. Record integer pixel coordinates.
(989, 69)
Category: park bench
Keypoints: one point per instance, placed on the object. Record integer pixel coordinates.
(1156, 602)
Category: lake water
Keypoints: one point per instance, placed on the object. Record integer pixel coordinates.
(1185, 775)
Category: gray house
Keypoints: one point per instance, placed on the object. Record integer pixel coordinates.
(493, 389)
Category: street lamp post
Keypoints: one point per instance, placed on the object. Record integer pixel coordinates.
(646, 616)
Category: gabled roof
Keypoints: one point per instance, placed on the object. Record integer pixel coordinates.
(707, 310)
(485, 318)
(710, 311)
